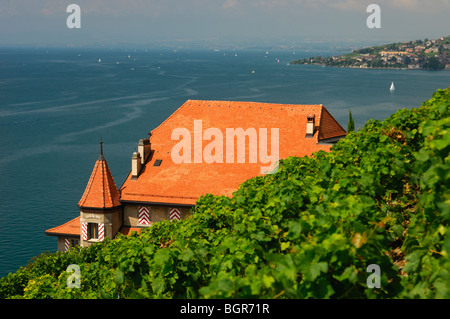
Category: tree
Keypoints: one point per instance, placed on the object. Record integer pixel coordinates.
(433, 64)
(351, 123)
(376, 63)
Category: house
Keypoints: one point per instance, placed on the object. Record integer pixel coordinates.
(413, 66)
(203, 147)
(420, 48)
(432, 50)
(392, 53)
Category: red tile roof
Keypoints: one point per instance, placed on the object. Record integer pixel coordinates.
(101, 191)
(329, 127)
(184, 183)
(72, 227)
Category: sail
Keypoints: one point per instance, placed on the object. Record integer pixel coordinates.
(392, 86)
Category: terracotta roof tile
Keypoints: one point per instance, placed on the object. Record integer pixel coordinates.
(184, 183)
(72, 227)
(101, 191)
(329, 127)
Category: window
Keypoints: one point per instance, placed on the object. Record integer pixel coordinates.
(93, 230)
(69, 243)
(74, 243)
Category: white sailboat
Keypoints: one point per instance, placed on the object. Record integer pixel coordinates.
(392, 89)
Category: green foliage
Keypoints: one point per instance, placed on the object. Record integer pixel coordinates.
(351, 123)
(381, 196)
(433, 64)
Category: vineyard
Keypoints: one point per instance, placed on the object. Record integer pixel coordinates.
(380, 197)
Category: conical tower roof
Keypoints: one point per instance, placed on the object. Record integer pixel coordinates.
(101, 191)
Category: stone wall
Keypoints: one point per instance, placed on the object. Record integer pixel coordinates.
(157, 213)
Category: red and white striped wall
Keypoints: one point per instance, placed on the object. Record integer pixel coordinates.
(84, 231)
(174, 214)
(144, 215)
(101, 232)
(66, 244)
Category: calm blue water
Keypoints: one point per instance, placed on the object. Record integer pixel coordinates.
(56, 104)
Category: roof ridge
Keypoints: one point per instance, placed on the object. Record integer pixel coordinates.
(109, 180)
(227, 101)
(252, 102)
(104, 169)
(110, 183)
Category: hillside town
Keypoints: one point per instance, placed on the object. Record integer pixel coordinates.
(414, 55)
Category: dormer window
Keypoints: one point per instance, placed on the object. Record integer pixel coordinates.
(310, 126)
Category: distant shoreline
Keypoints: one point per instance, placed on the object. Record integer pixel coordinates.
(359, 68)
(427, 55)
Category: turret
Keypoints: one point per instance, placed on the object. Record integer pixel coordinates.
(100, 208)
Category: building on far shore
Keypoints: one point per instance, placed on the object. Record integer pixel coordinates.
(159, 186)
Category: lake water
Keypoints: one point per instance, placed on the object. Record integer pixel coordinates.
(55, 104)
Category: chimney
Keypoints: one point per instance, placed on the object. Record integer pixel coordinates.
(310, 126)
(135, 165)
(144, 148)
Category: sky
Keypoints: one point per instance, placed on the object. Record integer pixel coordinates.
(191, 22)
